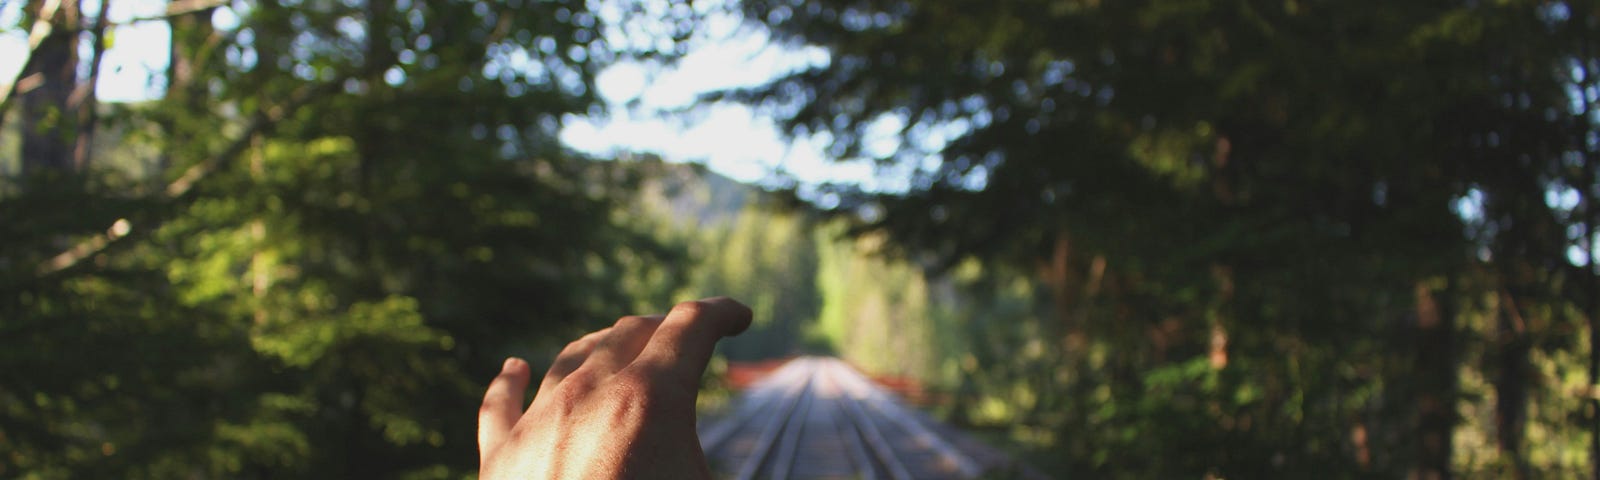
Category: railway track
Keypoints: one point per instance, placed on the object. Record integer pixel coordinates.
(818, 418)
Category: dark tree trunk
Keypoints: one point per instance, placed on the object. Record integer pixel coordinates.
(88, 115)
(1512, 347)
(49, 77)
(1436, 377)
(1590, 291)
(192, 45)
(1061, 274)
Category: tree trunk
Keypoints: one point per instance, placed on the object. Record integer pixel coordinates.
(1512, 348)
(1589, 290)
(1066, 287)
(1436, 381)
(1217, 350)
(88, 113)
(192, 37)
(47, 119)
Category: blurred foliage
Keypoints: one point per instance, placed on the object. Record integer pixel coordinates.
(1164, 238)
(323, 239)
(768, 261)
(875, 312)
(1234, 238)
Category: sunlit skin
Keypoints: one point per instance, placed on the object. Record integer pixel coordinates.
(617, 403)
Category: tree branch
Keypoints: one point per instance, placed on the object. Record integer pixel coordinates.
(42, 28)
(88, 114)
(176, 9)
(263, 121)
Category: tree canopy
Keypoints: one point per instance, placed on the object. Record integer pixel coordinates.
(1160, 238)
(1271, 233)
(304, 257)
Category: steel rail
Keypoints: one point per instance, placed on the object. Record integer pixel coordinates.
(819, 418)
(879, 402)
(774, 426)
(869, 432)
(783, 464)
(761, 398)
(859, 455)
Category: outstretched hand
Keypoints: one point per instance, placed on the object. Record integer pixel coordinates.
(617, 403)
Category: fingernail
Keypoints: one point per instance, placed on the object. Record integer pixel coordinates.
(509, 362)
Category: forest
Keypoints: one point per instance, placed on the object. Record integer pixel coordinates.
(1140, 239)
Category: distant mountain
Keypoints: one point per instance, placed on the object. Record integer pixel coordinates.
(690, 194)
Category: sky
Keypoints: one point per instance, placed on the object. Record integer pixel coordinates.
(138, 49)
(733, 140)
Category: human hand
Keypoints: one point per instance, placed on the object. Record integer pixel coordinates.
(617, 403)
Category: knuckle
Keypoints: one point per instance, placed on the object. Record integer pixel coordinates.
(582, 342)
(565, 363)
(632, 380)
(578, 382)
(630, 322)
(594, 336)
(639, 394)
(566, 401)
(691, 308)
(655, 386)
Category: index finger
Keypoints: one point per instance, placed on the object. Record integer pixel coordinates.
(682, 345)
(502, 406)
